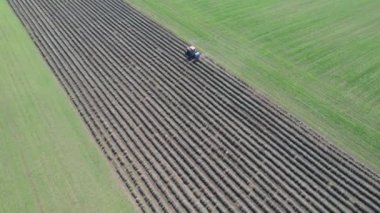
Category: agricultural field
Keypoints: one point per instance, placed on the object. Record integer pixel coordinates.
(187, 137)
(48, 160)
(319, 59)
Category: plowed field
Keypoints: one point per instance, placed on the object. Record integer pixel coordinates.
(185, 136)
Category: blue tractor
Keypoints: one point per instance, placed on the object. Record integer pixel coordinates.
(192, 54)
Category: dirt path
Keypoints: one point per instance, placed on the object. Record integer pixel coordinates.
(181, 136)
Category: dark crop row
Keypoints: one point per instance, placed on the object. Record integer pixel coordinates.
(183, 136)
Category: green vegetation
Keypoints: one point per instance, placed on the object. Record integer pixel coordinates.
(48, 161)
(319, 59)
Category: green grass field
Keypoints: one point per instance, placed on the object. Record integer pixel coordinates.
(48, 160)
(318, 59)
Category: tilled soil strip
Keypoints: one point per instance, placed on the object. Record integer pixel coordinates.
(187, 137)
